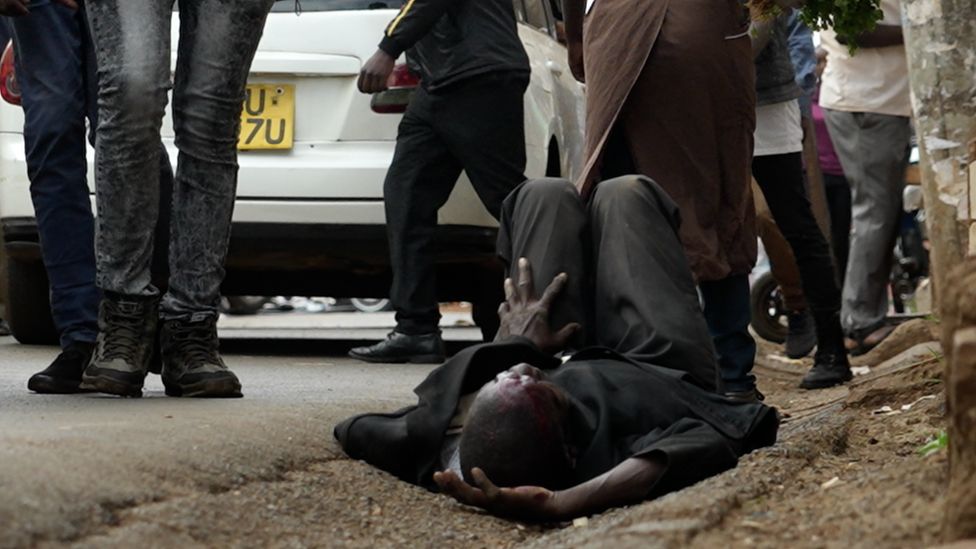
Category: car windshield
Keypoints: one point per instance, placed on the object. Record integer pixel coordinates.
(335, 5)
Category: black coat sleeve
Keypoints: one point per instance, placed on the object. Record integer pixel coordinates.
(692, 450)
(415, 20)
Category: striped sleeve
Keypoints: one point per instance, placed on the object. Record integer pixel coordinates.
(415, 20)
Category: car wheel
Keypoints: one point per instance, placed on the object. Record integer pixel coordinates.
(28, 308)
(768, 311)
(244, 304)
(371, 305)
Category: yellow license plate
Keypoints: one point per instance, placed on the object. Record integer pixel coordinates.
(268, 118)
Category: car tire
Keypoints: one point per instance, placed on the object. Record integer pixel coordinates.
(242, 305)
(768, 312)
(28, 307)
(371, 305)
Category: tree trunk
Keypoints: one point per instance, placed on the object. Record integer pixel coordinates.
(940, 39)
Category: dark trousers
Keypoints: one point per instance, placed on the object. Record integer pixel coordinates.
(781, 179)
(55, 64)
(629, 281)
(476, 126)
(839, 203)
(726, 302)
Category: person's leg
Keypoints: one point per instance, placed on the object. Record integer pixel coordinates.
(418, 183)
(218, 41)
(645, 303)
(51, 46)
(545, 221)
(50, 71)
(727, 312)
(132, 48)
(872, 148)
(781, 179)
(839, 201)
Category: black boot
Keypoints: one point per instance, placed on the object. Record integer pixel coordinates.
(830, 365)
(63, 376)
(801, 336)
(192, 365)
(125, 345)
(399, 348)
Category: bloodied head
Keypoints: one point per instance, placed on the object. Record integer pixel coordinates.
(516, 431)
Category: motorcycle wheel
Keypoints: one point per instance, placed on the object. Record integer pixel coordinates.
(768, 312)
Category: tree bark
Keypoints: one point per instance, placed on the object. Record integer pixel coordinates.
(940, 39)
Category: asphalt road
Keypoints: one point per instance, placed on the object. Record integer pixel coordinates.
(68, 463)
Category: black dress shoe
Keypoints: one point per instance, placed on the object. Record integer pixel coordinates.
(829, 369)
(399, 348)
(63, 376)
(747, 396)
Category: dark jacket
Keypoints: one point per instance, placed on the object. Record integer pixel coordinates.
(622, 409)
(775, 77)
(451, 40)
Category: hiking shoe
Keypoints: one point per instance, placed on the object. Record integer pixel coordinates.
(829, 369)
(192, 366)
(746, 396)
(124, 347)
(398, 348)
(801, 334)
(63, 376)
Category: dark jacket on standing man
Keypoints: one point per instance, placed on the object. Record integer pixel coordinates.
(452, 40)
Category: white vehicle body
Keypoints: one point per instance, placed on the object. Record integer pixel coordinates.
(310, 220)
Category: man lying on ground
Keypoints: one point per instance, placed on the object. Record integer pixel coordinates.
(509, 427)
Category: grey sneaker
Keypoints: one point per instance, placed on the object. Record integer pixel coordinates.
(124, 347)
(192, 366)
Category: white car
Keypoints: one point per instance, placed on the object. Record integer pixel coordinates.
(309, 216)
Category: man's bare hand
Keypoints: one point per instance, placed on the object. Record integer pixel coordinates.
(18, 8)
(524, 502)
(14, 8)
(375, 73)
(575, 50)
(524, 315)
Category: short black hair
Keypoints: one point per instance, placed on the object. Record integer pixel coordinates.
(516, 442)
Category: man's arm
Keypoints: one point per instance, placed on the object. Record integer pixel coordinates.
(573, 14)
(881, 37)
(414, 21)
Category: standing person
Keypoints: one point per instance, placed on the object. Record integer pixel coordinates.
(218, 40)
(467, 115)
(837, 188)
(671, 95)
(777, 166)
(55, 68)
(865, 97)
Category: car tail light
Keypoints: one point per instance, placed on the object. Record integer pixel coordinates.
(401, 87)
(9, 89)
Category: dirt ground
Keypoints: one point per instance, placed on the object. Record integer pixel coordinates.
(846, 472)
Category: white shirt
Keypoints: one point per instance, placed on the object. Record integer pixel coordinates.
(778, 129)
(872, 80)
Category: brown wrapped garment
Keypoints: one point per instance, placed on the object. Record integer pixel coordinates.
(678, 76)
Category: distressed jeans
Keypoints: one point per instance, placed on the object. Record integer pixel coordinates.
(217, 42)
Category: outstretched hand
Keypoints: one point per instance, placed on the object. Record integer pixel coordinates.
(524, 502)
(524, 315)
(17, 8)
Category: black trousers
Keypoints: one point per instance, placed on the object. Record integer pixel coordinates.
(839, 204)
(629, 281)
(781, 179)
(477, 126)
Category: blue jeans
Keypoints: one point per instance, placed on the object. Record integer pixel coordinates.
(55, 65)
(727, 313)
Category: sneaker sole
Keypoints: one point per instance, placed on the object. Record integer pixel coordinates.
(211, 388)
(103, 384)
(414, 359)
